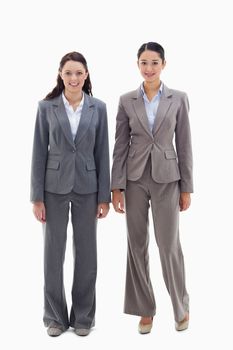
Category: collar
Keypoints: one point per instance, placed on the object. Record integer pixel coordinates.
(159, 92)
(66, 102)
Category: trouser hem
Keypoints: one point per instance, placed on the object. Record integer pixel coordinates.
(142, 314)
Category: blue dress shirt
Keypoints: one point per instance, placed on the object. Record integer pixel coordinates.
(151, 106)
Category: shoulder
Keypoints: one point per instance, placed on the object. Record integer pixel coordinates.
(45, 104)
(96, 102)
(129, 95)
(182, 95)
(179, 97)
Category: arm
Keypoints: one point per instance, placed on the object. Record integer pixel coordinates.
(101, 154)
(120, 153)
(121, 149)
(39, 156)
(184, 147)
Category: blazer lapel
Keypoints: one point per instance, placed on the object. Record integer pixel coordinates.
(86, 116)
(63, 119)
(164, 105)
(140, 110)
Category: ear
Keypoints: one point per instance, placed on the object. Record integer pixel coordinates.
(86, 75)
(164, 64)
(59, 73)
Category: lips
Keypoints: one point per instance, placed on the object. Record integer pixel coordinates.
(149, 75)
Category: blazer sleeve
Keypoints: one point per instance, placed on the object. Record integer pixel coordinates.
(184, 147)
(121, 149)
(101, 154)
(39, 155)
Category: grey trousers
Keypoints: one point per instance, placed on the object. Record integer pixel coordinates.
(164, 200)
(83, 216)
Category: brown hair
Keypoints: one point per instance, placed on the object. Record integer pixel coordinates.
(71, 56)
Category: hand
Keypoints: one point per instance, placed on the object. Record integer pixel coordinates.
(118, 201)
(39, 211)
(185, 201)
(102, 210)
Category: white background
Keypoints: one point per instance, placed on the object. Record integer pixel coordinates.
(198, 45)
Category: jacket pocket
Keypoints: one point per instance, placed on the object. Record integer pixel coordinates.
(90, 165)
(170, 154)
(53, 164)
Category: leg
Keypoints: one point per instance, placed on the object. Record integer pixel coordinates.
(165, 211)
(57, 210)
(139, 297)
(84, 209)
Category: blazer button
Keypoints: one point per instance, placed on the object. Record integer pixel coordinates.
(73, 150)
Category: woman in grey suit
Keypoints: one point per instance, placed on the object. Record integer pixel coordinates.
(70, 173)
(149, 170)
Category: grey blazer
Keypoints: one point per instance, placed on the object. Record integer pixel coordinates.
(59, 164)
(135, 143)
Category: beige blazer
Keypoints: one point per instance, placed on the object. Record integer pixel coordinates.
(169, 143)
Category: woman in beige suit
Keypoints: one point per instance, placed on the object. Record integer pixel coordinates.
(150, 169)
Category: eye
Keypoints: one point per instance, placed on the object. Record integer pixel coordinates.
(67, 73)
(155, 63)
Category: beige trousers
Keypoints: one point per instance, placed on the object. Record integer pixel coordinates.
(164, 201)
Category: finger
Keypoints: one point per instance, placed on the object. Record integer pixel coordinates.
(39, 218)
(106, 212)
(103, 213)
(186, 206)
(99, 209)
(44, 215)
(122, 205)
(101, 216)
(119, 210)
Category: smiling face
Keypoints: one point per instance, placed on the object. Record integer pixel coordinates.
(73, 75)
(150, 65)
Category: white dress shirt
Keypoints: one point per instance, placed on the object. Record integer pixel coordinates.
(73, 116)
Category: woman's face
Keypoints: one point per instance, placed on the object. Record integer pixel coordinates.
(73, 75)
(150, 65)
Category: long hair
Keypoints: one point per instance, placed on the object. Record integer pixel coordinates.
(71, 56)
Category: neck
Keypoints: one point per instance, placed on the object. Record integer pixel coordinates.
(152, 87)
(73, 98)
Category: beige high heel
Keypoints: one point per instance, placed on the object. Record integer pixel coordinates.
(145, 328)
(182, 325)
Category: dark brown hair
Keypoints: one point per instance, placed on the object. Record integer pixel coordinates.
(71, 56)
(152, 46)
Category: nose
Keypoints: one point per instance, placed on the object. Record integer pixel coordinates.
(74, 76)
(149, 67)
